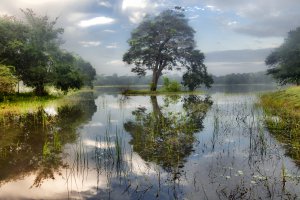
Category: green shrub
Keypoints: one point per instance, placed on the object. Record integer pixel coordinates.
(171, 86)
(7, 80)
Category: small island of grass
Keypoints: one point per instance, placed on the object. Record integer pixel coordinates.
(170, 87)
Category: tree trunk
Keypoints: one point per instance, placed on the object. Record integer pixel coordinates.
(155, 77)
(40, 90)
(18, 85)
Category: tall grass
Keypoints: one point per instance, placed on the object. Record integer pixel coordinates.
(282, 118)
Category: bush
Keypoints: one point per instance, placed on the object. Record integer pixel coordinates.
(7, 80)
(171, 86)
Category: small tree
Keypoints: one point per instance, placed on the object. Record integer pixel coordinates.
(7, 80)
(163, 42)
(284, 62)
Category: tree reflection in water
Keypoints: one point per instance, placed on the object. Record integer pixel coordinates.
(166, 137)
(33, 142)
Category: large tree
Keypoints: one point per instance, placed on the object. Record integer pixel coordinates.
(284, 61)
(33, 47)
(162, 42)
(41, 47)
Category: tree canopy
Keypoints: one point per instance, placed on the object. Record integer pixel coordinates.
(284, 61)
(163, 42)
(33, 47)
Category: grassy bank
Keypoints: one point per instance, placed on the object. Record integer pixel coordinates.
(23, 102)
(282, 118)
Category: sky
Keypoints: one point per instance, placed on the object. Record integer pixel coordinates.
(234, 35)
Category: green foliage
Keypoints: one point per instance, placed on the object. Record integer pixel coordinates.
(7, 80)
(33, 48)
(284, 61)
(196, 73)
(88, 73)
(66, 76)
(162, 42)
(171, 86)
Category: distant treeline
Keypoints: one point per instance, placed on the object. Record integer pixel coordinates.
(244, 78)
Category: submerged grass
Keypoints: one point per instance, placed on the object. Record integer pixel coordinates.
(282, 118)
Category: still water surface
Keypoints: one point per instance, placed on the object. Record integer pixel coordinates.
(106, 146)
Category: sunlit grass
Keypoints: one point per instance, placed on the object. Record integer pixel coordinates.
(24, 102)
(28, 102)
(282, 118)
(284, 102)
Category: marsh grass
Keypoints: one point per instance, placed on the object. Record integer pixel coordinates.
(24, 103)
(282, 118)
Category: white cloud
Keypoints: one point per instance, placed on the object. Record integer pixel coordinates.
(231, 23)
(137, 16)
(137, 9)
(96, 21)
(109, 31)
(105, 4)
(194, 17)
(115, 62)
(112, 46)
(76, 16)
(212, 8)
(90, 43)
(134, 4)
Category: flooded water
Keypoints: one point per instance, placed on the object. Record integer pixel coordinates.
(106, 146)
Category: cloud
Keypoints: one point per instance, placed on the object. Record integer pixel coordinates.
(212, 8)
(90, 43)
(104, 3)
(115, 62)
(136, 10)
(269, 26)
(194, 17)
(96, 21)
(109, 31)
(134, 4)
(231, 23)
(112, 46)
(267, 18)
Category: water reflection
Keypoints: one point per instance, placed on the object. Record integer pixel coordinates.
(166, 137)
(141, 147)
(33, 142)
